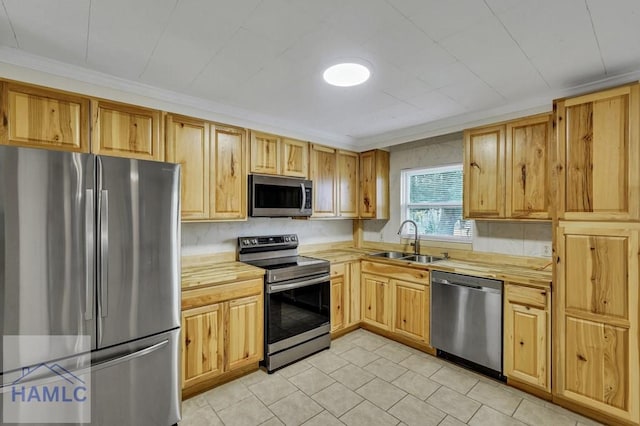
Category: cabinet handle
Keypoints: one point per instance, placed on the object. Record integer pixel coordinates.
(474, 164)
(523, 172)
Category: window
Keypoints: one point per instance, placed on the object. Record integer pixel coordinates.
(432, 197)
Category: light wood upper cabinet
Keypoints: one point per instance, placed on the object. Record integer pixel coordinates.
(228, 173)
(596, 361)
(374, 185)
(348, 183)
(294, 158)
(188, 145)
(265, 156)
(202, 344)
(484, 173)
(528, 144)
(527, 335)
(506, 170)
(40, 118)
(324, 177)
(274, 155)
(213, 163)
(123, 130)
(598, 152)
(244, 332)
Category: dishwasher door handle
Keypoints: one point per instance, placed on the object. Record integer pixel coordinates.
(469, 286)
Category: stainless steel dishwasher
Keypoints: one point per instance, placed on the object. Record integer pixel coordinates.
(466, 320)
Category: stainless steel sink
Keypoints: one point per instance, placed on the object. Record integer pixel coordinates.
(391, 255)
(422, 258)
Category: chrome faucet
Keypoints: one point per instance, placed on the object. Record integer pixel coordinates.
(416, 241)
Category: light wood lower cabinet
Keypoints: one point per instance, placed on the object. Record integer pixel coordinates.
(376, 301)
(202, 344)
(222, 332)
(411, 310)
(527, 335)
(345, 295)
(596, 325)
(395, 299)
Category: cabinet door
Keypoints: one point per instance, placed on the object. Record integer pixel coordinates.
(40, 118)
(596, 317)
(355, 293)
(376, 301)
(597, 137)
(324, 177)
(228, 175)
(264, 153)
(374, 185)
(411, 310)
(484, 162)
(527, 343)
(294, 158)
(188, 145)
(245, 332)
(348, 183)
(126, 131)
(202, 344)
(527, 168)
(337, 303)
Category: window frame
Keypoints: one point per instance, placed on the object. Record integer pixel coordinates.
(405, 176)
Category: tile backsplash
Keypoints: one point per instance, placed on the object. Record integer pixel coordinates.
(207, 238)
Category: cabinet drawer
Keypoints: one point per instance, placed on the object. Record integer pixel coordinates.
(398, 272)
(220, 293)
(527, 295)
(337, 270)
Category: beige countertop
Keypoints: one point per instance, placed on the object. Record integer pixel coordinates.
(222, 272)
(216, 273)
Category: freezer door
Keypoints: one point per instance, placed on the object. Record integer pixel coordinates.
(138, 249)
(46, 248)
(137, 383)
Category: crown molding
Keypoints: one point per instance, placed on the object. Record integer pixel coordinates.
(19, 65)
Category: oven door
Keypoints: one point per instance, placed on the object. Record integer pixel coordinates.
(297, 311)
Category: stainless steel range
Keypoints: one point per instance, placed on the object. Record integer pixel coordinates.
(297, 298)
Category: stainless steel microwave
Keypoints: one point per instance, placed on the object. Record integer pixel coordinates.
(279, 196)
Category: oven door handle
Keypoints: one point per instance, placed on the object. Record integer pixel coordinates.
(276, 288)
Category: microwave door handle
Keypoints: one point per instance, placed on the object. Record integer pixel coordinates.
(304, 197)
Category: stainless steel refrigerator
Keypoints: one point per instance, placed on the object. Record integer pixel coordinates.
(90, 245)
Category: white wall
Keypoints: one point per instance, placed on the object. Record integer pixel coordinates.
(515, 238)
(207, 238)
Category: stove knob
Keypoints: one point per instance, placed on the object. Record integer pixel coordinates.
(293, 238)
(245, 242)
(254, 242)
(286, 239)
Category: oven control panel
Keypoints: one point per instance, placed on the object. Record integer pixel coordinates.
(288, 240)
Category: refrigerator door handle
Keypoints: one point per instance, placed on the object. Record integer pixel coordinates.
(128, 357)
(104, 252)
(89, 221)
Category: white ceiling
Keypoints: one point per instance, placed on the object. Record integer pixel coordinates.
(437, 65)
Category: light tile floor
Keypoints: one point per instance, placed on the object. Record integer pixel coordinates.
(366, 379)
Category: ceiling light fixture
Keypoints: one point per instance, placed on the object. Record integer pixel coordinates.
(346, 74)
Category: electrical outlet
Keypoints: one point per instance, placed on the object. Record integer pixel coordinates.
(546, 250)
